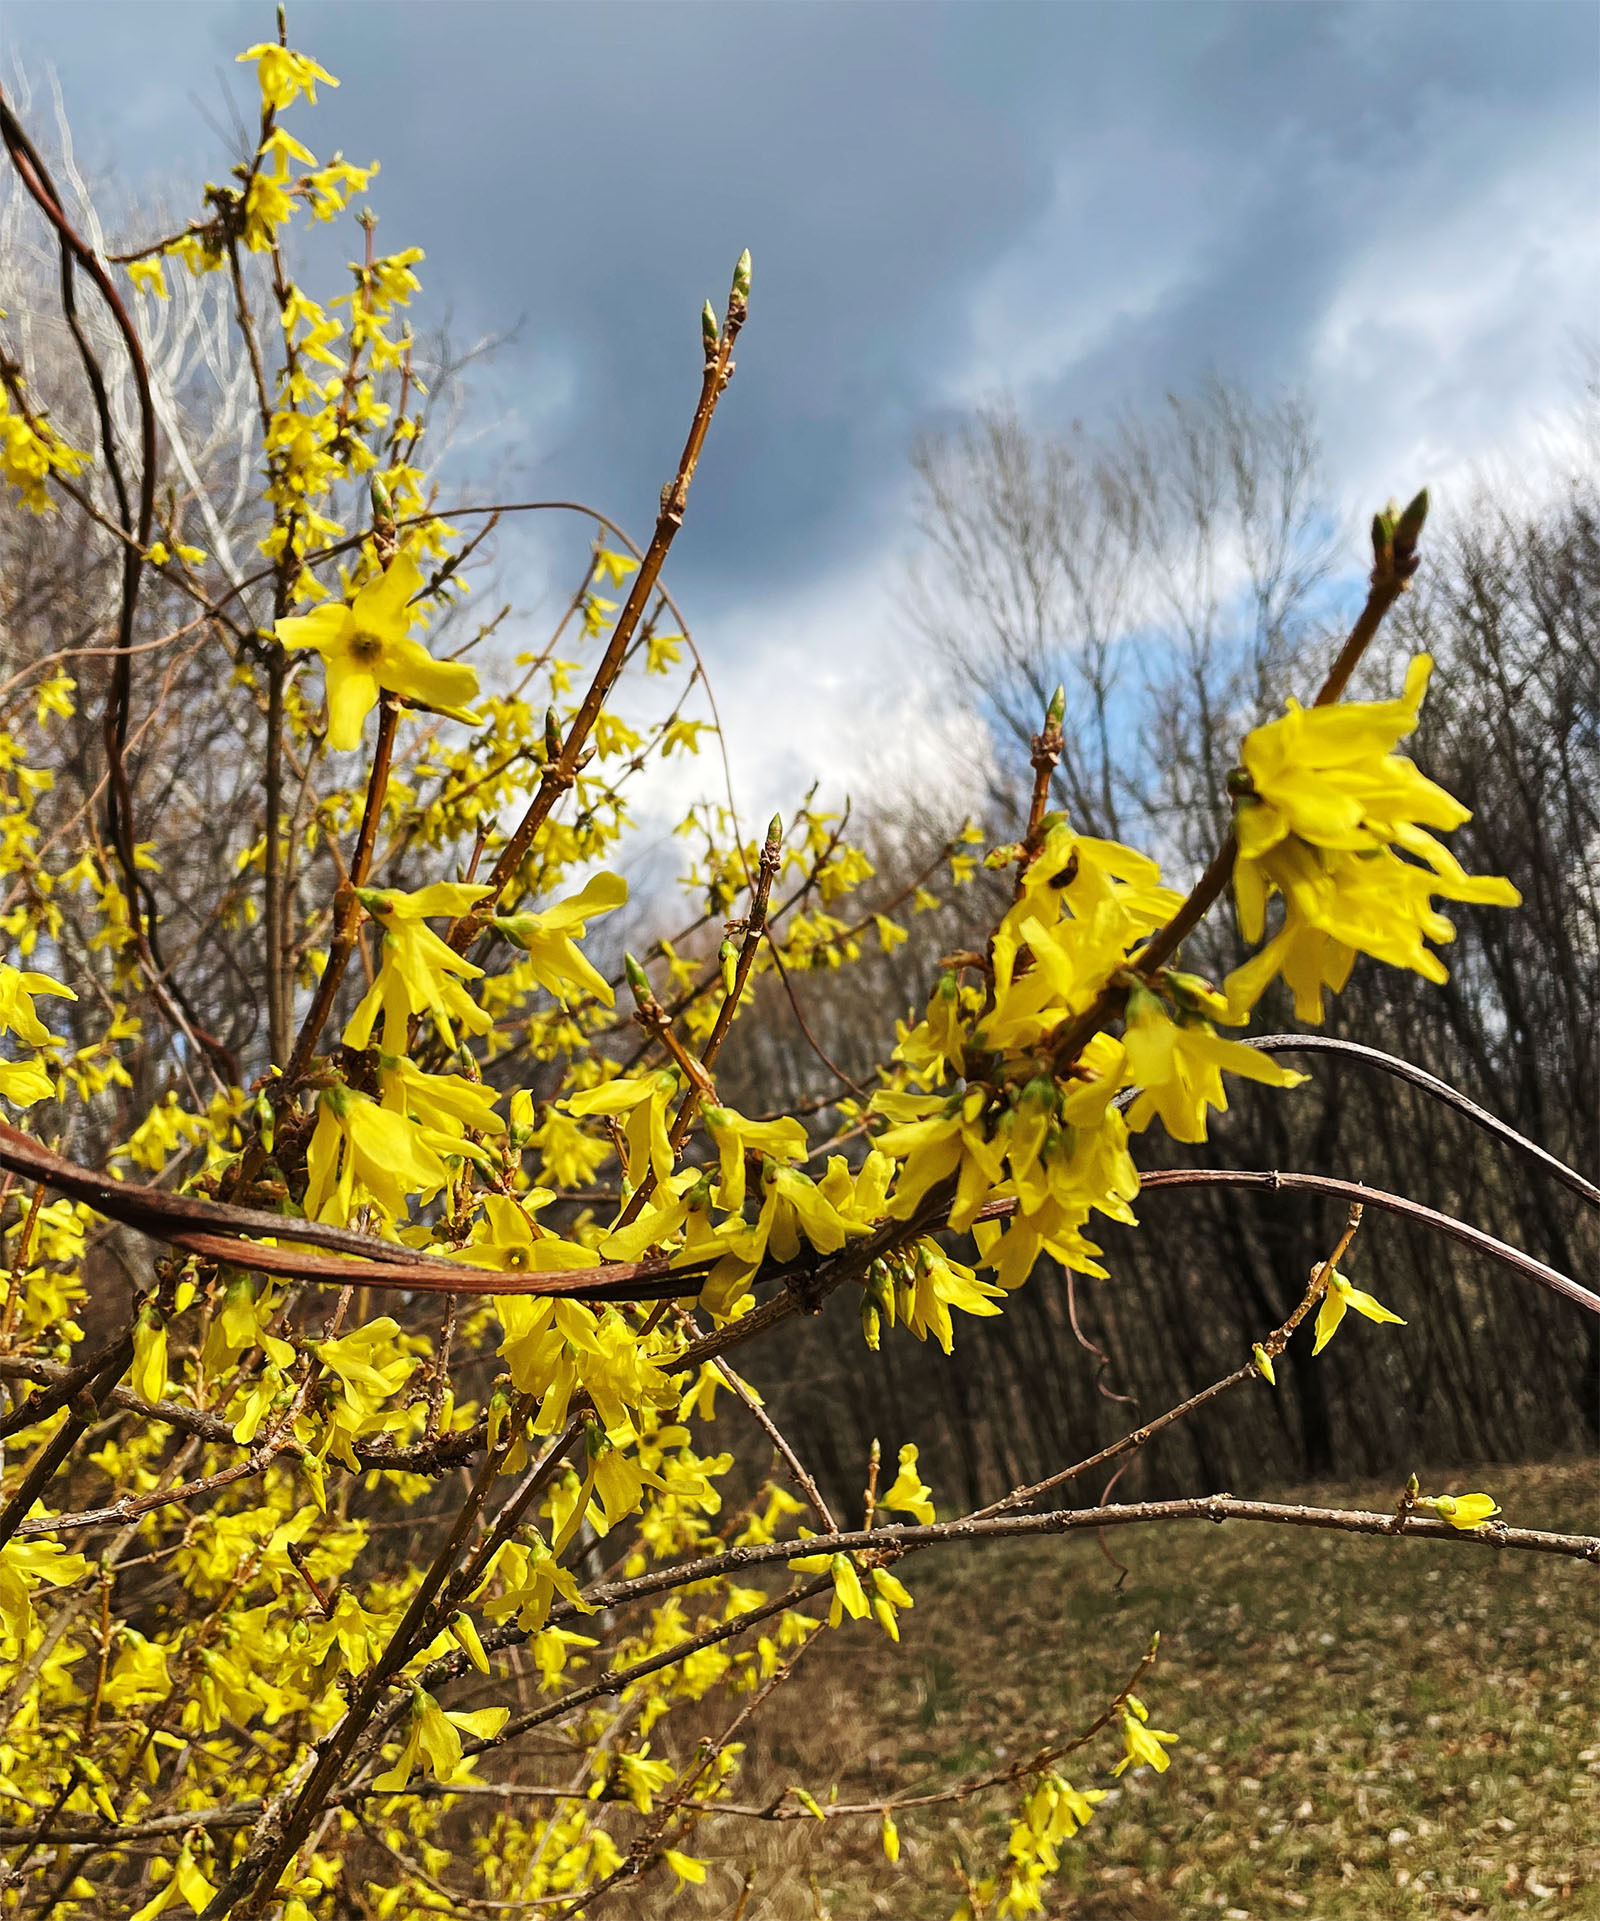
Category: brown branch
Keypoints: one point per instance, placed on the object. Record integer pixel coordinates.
(562, 772)
(1440, 1090)
(350, 911)
(1272, 1346)
(910, 1538)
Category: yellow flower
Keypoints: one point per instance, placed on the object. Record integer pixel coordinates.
(284, 74)
(369, 1369)
(466, 1637)
(645, 1130)
(1342, 1295)
(358, 1143)
(1146, 1746)
(187, 1884)
(848, 1596)
(147, 275)
(24, 1082)
(550, 938)
(366, 647)
(684, 1866)
(1462, 1510)
(420, 973)
(888, 1597)
(445, 1104)
(17, 1012)
(23, 1565)
(1328, 815)
(909, 1492)
(1177, 1068)
(30, 452)
(149, 1355)
(434, 1738)
(735, 1137)
(506, 1237)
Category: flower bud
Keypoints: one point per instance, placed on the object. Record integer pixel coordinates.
(466, 1636)
(638, 982)
(1408, 529)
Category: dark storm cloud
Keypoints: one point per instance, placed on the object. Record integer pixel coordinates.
(1388, 205)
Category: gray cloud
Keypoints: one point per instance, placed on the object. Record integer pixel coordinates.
(1389, 205)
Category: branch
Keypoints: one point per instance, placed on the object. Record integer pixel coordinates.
(908, 1538)
(1440, 1090)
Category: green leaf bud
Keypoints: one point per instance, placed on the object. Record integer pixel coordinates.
(638, 982)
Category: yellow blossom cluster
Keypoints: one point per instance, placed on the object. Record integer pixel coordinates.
(445, 1079)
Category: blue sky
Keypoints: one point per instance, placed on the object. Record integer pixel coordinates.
(1392, 207)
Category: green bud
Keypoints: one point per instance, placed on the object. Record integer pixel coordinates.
(775, 830)
(871, 1323)
(880, 1289)
(1040, 1092)
(1409, 528)
(1263, 1361)
(1055, 713)
(1407, 533)
(499, 1414)
(1143, 1005)
(552, 735)
(728, 962)
(638, 981)
(266, 1122)
(517, 928)
(1195, 993)
(382, 505)
(741, 276)
(708, 326)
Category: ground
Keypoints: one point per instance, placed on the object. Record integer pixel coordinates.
(1371, 1730)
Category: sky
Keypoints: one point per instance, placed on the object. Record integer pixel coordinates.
(1389, 207)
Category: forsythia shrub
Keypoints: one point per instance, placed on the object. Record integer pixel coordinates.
(408, 1444)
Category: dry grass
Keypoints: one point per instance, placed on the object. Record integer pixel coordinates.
(1372, 1730)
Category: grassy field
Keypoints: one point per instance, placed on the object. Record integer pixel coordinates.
(1371, 1729)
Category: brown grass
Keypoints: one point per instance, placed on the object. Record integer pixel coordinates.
(1372, 1730)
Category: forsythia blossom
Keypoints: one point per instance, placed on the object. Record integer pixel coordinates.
(366, 649)
(1332, 818)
